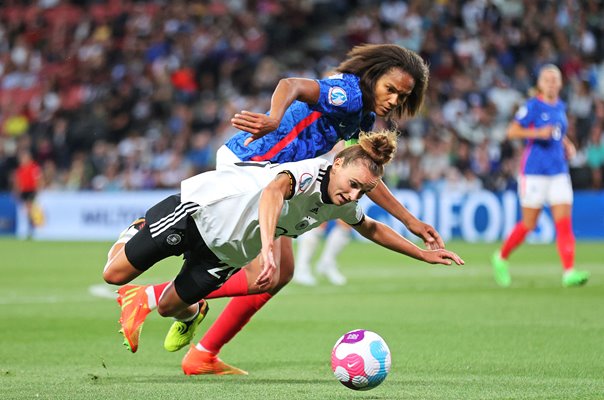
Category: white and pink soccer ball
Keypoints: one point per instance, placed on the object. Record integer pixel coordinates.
(360, 360)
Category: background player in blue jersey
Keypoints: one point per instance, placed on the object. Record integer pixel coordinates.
(306, 119)
(544, 177)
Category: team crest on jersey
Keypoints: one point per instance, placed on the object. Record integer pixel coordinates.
(302, 225)
(173, 239)
(337, 96)
(305, 181)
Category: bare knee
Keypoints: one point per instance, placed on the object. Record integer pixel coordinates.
(118, 270)
(114, 278)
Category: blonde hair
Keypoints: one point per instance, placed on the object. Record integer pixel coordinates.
(546, 67)
(375, 149)
(550, 67)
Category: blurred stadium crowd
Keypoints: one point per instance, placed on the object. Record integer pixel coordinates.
(127, 95)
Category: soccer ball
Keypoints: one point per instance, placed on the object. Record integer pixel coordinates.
(360, 360)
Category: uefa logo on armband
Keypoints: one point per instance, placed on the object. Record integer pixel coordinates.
(305, 181)
(337, 96)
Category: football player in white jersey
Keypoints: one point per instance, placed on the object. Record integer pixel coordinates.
(306, 118)
(224, 219)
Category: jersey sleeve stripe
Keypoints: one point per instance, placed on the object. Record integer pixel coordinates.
(280, 145)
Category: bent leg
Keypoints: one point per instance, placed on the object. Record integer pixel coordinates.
(119, 270)
(171, 305)
(515, 239)
(522, 228)
(240, 310)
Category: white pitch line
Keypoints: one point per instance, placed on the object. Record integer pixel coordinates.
(103, 290)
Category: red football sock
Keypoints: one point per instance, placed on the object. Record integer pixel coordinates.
(565, 239)
(514, 240)
(159, 289)
(234, 317)
(236, 285)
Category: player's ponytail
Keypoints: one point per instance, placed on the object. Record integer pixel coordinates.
(375, 149)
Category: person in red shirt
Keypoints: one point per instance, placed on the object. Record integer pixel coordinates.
(27, 181)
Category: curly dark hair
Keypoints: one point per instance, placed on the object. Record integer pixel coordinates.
(370, 61)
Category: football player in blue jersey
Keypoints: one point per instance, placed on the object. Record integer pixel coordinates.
(306, 119)
(544, 177)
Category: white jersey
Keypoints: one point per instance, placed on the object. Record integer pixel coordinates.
(229, 199)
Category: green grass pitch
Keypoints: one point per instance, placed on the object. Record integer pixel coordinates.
(453, 334)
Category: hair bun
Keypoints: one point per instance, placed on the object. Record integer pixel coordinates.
(380, 145)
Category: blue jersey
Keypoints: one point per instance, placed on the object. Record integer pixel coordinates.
(543, 156)
(308, 131)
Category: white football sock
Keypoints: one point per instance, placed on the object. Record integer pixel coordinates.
(152, 301)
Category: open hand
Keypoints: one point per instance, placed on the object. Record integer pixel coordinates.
(255, 123)
(269, 268)
(442, 256)
(427, 233)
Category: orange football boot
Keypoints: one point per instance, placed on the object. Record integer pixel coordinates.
(135, 308)
(197, 362)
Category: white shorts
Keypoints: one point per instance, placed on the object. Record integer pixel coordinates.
(225, 157)
(535, 191)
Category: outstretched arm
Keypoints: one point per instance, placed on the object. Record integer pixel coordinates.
(386, 237)
(517, 131)
(271, 204)
(287, 90)
(383, 197)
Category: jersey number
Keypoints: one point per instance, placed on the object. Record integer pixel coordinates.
(223, 272)
(557, 133)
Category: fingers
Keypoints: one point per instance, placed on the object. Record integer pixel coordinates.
(439, 241)
(447, 258)
(431, 244)
(432, 239)
(264, 278)
(458, 260)
(247, 121)
(268, 270)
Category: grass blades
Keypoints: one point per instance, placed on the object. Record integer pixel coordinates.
(452, 332)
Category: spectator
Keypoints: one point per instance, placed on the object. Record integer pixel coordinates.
(27, 182)
(78, 73)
